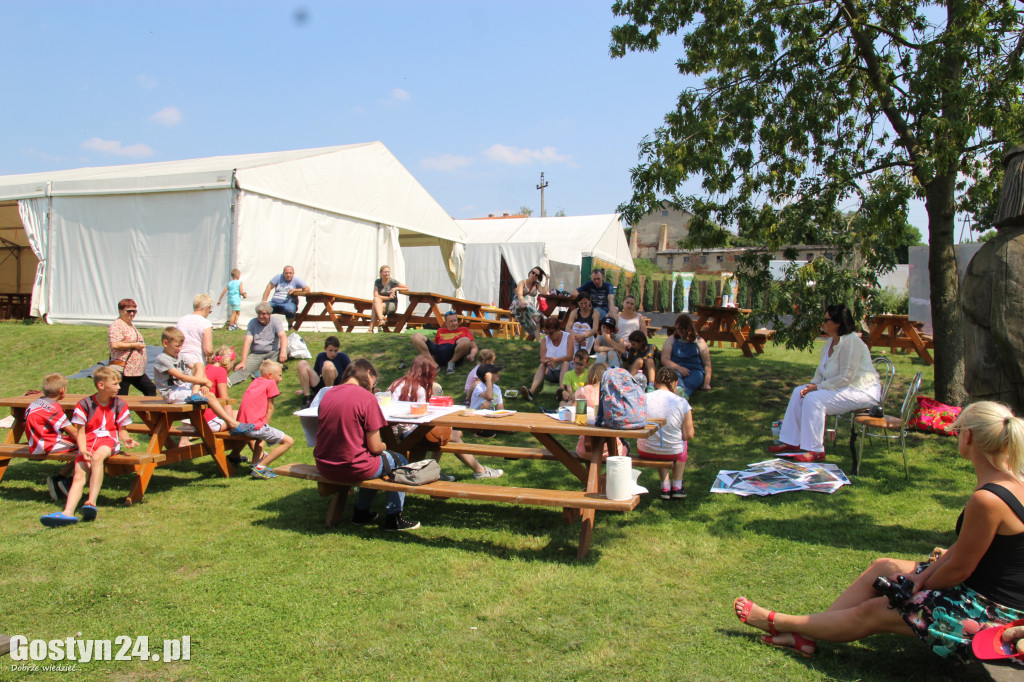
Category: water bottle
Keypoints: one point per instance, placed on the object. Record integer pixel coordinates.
(561, 285)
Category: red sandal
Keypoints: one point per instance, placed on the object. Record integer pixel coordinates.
(798, 645)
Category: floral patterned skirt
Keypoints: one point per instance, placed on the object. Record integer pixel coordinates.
(948, 619)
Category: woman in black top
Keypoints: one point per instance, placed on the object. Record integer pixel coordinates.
(977, 582)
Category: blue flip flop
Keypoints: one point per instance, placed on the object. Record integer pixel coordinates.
(58, 519)
(88, 512)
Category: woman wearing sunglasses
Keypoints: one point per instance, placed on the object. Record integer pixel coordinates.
(524, 306)
(844, 381)
(128, 350)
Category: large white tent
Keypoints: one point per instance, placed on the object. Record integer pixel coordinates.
(162, 232)
(501, 251)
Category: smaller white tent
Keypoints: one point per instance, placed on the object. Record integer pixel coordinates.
(501, 251)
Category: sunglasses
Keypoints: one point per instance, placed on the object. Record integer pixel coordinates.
(131, 311)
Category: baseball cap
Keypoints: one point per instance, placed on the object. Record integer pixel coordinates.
(450, 312)
(482, 370)
(988, 644)
(610, 321)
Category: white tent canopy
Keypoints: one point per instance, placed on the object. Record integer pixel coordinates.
(557, 245)
(162, 232)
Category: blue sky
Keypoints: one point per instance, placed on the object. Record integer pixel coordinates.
(475, 98)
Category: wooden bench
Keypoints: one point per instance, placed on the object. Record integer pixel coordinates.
(513, 452)
(570, 501)
(141, 463)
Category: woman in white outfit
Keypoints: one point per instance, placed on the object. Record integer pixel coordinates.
(844, 381)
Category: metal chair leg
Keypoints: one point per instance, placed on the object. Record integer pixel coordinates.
(903, 445)
(860, 451)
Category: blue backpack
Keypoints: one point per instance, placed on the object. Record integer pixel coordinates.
(622, 404)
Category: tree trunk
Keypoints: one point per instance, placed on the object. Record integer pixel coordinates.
(947, 316)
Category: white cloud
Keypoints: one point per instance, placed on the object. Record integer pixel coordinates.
(148, 82)
(400, 95)
(168, 116)
(115, 148)
(518, 156)
(446, 162)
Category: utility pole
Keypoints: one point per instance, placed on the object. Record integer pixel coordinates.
(541, 187)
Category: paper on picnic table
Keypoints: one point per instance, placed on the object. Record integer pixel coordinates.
(775, 476)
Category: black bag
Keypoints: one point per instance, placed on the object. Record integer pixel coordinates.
(415, 473)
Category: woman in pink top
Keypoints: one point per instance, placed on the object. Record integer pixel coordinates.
(349, 447)
(128, 350)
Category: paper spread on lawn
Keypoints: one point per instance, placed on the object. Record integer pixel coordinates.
(775, 476)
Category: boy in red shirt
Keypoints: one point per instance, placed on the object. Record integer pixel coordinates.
(45, 424)
(101, 418)
(257, 408)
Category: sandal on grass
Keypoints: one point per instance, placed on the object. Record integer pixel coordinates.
(800, 643)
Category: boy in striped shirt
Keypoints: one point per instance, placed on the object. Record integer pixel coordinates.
(45, 427)
(102, 419)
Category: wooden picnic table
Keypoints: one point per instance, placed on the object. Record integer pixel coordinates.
(721, 323)
(158, 421)
(343, 320)
(897, 331)
(471, 313)
(558, 302)
(544, 429)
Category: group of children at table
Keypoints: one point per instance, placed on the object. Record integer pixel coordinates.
(98, 426)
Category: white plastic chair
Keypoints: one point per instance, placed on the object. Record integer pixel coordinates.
(882, 426)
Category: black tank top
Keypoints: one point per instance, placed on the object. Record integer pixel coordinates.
(1000, 573)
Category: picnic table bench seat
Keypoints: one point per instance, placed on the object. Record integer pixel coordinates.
(142, 463)
(569, 500)
(223, 438)
(514, 452)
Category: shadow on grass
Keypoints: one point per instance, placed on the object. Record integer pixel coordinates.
(879, 658)
(304, 511)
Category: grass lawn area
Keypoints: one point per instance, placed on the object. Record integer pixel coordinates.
(482, 590)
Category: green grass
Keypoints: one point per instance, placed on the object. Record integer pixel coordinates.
(483, 590)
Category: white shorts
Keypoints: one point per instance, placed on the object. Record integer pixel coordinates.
(192, 358)
(267, 434)
(177, 394)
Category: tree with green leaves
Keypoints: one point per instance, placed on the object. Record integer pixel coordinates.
(804, 110)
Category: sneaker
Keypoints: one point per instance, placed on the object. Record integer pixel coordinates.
(679, 493)
(89, 512)
(196, 399)
(399, 522)
(237, 459)
(666, 494)
(486, 434)
(488, 472)
(58, 487)
(58, 519)
(450, 369)
(262, 473)
(448, 478)
(526, 393)
(362, 517)
(307, 400)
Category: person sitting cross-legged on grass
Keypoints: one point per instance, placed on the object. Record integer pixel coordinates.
(176, 384)
(257, 408)
(976, 583)
(325, 371)
(670, 442)
(101, 419)
(45, 426)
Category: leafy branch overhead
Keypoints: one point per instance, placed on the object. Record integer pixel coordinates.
(806, 111)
